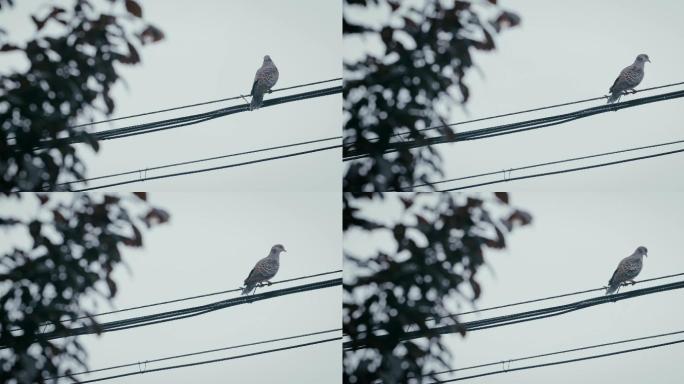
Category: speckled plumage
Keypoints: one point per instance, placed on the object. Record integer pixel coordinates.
(627, 270)
(266, 77)
(628, 79)
(264, 270)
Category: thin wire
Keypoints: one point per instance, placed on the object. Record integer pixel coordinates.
(517, 317)
(211, 169)
(198, 353)
(554, 297)
(199, 104)
(561, 361)
(212, 361)
(453, 316)
(196, 161)
(559, 352)
(518, 126)
(549, 163)
(566, 170)
(178, 122)
(186, 298)
(530, 110)
(184, 313)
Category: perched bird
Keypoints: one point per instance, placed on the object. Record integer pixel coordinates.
(629, 78)
(264, 270)
(266, 77)
(627, 270)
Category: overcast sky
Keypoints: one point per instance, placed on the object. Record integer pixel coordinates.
(574, 243)
(211, 51)
(565, 51)
(211, 244)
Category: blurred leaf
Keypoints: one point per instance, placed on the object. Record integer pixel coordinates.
(133, 8)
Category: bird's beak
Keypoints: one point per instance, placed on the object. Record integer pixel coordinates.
(649, 60)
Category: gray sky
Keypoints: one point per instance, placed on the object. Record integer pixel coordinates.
(574, 243)
(211, 51)
(565, 51)
(211, 244)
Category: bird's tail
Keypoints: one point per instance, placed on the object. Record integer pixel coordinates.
(614, 97)
(257, 100)
(612, 288)
(248, 288)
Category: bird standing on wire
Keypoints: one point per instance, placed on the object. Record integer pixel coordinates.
(266, 77)
(627, 270)
(629, 78)
(264, 270)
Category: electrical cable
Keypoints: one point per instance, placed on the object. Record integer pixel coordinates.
(157, 318)
(352, 154)
(514, 318)
(559, 352)
(181, 121)
(139, 171)
(185, 299)
(509, 170)
(530, 301)
(196, 353)
(211, 168)
(584, 168)
(212, 361)
(201, 103)
(562, 361)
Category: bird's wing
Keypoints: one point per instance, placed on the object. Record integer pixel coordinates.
(251, 273)
(615, 275)
(253, 85)
(617, 84)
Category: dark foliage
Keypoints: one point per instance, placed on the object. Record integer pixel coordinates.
(75, 245)
(427, 53)
(69, 75)
(440, 245)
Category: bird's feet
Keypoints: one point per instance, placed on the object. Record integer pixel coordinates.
(269, 283)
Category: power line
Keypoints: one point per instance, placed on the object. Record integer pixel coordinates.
(142, 171)
(516, 317)
(201, 103)
(514, 304)
(558, 352)
(211, 168)
(509, 170)
(182, 121)
(212, 361)
(562, 361)
(163, 317)
(185, 299)
(527, 111)
(197, 353)
(555, 297)
(352, 154)
(567, 170)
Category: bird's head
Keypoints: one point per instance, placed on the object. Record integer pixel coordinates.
(643, 58)
(642, 251)
(267, 59)
(278, 248)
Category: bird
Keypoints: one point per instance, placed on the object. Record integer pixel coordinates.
(266, 77)
(264, 270)
(627, 270)
(628, 79)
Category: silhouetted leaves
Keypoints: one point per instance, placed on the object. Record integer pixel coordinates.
(440, 242)
(134, 8)
(72, 258)
(71, 73)
(392, 98)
